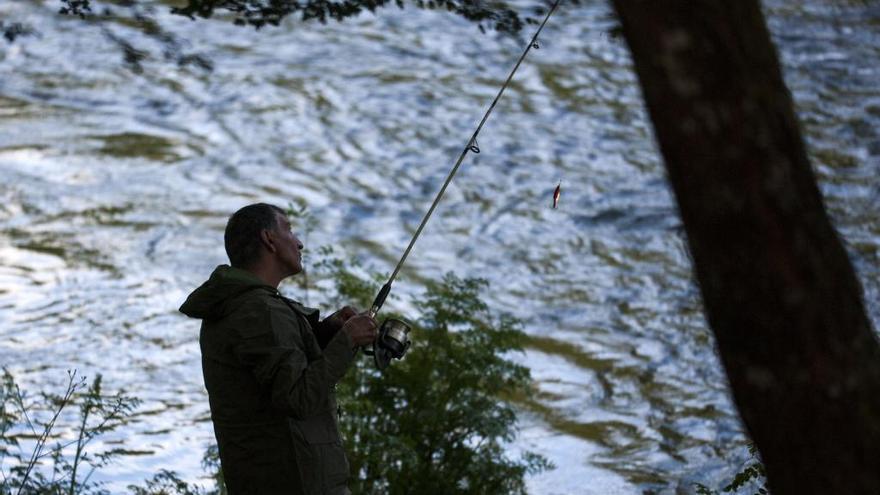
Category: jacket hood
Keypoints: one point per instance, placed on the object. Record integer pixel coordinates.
(209, 301)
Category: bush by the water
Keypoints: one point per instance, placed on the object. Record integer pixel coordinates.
(436, 421)
(40, 460)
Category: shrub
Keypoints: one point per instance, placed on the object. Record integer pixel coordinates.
(65, 466)
(437, 421)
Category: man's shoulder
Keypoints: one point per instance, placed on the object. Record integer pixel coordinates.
(260, 313)
(264, 304)
(310, 314)
(258, 304)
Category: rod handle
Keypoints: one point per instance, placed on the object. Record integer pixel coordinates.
(380, 299)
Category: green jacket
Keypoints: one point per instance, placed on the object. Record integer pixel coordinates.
(270, 387)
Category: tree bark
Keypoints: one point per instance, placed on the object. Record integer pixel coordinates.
(779, 291)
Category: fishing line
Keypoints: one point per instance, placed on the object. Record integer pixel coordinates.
(472, 147)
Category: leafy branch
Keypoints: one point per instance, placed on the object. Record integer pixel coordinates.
(98, 414)
(752, 474)
(260, 13)
(73, 384)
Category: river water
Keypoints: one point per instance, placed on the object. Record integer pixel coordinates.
(115, 185)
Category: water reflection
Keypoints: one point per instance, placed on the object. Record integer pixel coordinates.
(115, 187)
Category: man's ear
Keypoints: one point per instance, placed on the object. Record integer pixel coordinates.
(268, 240)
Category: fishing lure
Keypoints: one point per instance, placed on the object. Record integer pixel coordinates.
(556, 194)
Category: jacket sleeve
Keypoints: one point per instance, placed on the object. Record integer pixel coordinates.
(272, 347)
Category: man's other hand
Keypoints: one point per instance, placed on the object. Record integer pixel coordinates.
(361, 329)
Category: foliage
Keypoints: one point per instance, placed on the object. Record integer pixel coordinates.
(751, 476)
(169, 483)
(259, 13)
(165, 483)
(211, 464)
(497, 15)
(13, 30)
(436, 421)
(58, 468)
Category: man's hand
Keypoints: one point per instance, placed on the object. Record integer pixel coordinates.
(361, 329)
(328, 327)
(334, 322)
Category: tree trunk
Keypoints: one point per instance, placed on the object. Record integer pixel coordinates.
(779, 291)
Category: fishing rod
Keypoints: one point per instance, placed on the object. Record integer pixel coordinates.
(393, 339)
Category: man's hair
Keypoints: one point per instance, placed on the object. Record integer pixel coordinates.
(242, 236)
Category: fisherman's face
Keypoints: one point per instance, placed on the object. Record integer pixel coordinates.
(289, 247)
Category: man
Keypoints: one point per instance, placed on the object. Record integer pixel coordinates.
(270, 366)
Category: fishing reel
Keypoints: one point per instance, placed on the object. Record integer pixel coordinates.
(392, 342)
